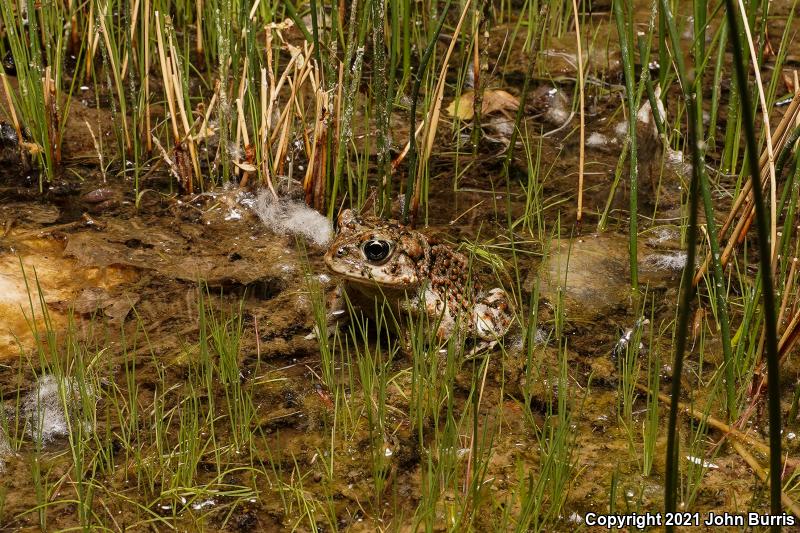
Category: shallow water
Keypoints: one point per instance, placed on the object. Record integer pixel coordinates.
(131, 273)
(124, 290)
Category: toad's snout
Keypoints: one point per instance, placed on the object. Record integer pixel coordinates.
(334, 256)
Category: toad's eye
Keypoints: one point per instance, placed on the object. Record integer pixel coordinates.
(376, 251)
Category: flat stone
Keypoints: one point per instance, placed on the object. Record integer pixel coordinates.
(592, 274)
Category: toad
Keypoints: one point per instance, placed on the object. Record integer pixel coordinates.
(386, 261)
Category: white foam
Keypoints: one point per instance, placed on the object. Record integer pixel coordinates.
(671, 261)
(290, 217)
(597, 140)
(43, 408)
(662, 235)
(677, 161)
(5, 450)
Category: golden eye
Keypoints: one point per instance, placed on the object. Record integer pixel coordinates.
(376, 250)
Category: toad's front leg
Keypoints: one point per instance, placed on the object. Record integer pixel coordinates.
(491, 319)
(428, 321)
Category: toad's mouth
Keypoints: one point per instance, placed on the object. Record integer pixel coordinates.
(387, 285)
(370, 281)
(367, 279)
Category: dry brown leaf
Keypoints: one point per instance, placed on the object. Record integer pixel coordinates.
(494, 101)
(244, 165)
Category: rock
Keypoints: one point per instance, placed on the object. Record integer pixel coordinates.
(592, 274)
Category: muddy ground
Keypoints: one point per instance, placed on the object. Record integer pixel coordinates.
(116, 270)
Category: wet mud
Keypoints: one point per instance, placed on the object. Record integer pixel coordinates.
(88, 255)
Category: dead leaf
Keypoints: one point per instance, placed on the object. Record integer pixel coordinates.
(494, 101)
(247, 167)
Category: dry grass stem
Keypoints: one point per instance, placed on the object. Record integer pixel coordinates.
(10, 103)
(167, 80)
(767, 131)
(117, 80)
(97, 149)
(581, 91)
(134, 19)
(743, 204)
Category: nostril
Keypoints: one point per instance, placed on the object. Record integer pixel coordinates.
(340, 252)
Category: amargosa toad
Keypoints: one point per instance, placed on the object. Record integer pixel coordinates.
(384, 260)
